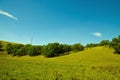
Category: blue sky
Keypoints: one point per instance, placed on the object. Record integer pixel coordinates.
(63, 21)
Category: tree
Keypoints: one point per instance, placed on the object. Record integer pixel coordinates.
(66, 48)
(1, 46)
(77, 47)
(115, 43)
(104, 43)
(52, 50)
(20, 50)
(35, 50)
(14, 49)
(27, 48)
(9, 48)
(91, 45)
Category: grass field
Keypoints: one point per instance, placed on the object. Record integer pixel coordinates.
(98, 63)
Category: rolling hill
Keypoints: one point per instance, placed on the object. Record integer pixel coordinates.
(98, 63)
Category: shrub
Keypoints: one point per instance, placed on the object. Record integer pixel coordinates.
(35, 50)
(66, 48)
(14, 49)
(9, 48)
(115, 43)
(53, 49)
(104, 43)
(1, 46)
(26, 48)
(91, 45)
(77, 47)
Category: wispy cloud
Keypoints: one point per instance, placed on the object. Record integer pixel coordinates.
(8, 14)
(97, 34)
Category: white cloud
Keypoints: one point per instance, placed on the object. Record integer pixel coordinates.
(97, 34)
(8, 15)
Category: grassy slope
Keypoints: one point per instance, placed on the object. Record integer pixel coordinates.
(97, 55)
(92, 64)
(4, 43)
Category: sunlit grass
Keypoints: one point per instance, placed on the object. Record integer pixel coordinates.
(98, 63)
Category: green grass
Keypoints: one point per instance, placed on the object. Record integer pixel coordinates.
(98, 63)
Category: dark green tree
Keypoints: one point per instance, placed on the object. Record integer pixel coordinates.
(91, 45)
(1, 46)
(9, 48)
(14, 49)
(115, 43)
(66, 48)
(104, 43)
(21, 51)
(77, 47)
(27, 48)
(52, 50)
(35, 50)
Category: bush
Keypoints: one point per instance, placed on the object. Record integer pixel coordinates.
(77, 47)
(26, 48)
(9, 48)
(54, 49)
(66, 48)
(1, 46)
(104, 43)
(34, 50)
(14, 49)
(115, 43)
(20, 50)
(91, 45)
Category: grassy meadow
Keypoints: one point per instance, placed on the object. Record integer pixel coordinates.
(99, 63)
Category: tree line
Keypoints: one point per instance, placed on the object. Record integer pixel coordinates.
(57, 49)
(50, 50)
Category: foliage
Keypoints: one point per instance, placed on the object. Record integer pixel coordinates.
(77, 47)
(9, 48)
(20, 50)
(115, 43)
(66, 48)
(52, 49)
(55, 49)
(16, 49)
(104, 43)
(91, 45)
(1, 46)
(34, 50)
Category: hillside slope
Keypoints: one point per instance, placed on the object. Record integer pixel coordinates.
(99, 63)
(97, 55)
